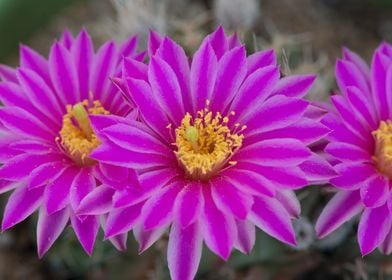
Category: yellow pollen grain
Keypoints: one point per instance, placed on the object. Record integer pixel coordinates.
(205, 144)
(76, 135)
(383, 148)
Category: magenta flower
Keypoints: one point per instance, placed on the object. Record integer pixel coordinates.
(46, 136)
(360, 144)
(223, 146)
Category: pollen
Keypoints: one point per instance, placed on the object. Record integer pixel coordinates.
(77, 137)
(205, 144)
(383, 148)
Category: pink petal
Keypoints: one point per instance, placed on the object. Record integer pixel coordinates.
(379, 66)
(23, 122)
(261, 59)
(374, 191)
(120, 241)
(122, 220)
(254, 90)
(63, 74)
(352, 175)
(49, 228)
(246, 236)
(56, 196)
(98, 201)
(112, 154)
(230, 75)
(175, 56)
(150, 182)
(21, 204)
(270, 216)
(219, 230)
(166, 89)
(154, 41)
(218, 42)
(276, 112)
(134, 139)
(7, 74)
(358, 61)
(280, 177)
(146, 238)
(347, 152)
(21, 166)
(373, 228)
(342, 207)
(82, 185)
(347, 74)
(158, 210)
(82, 52)
(86, 231)
(386, 246)
(102, 68)
(350, 120)
(360, 104)
(146, 103)
(305, 130)
(229, 199)
(189, 204)
(45, 174)
(249, 182)
(30, 59)
(40, 95)
(203, 73)
(317, 169)
(295, 85)
(290, 202)
(274, 152)
(184, 251)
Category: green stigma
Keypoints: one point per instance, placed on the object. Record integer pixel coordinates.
(81, 116)
(192, 134)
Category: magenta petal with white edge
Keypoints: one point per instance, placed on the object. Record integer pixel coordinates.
(122, 220)
(373, 228)
(219, 229)
(230, 200)
(86, 230)
(146, 238)
(49, 228)
(270, 216)
(83, 184)
(203, 73)
(57, 193)
(246, 236)
(295, 85)
(374, 191)
(96, 202)
(184, 251)
(158, 210)
(342, 207)
(352, 175)
(290, 202)
(63, 74)
(189, 203)
(386, 246)
(21, 204)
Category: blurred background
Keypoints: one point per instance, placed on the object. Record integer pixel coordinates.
(306, 34)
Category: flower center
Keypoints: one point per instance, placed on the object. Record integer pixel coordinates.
(205, 143)
(77, 138)
(383, 148)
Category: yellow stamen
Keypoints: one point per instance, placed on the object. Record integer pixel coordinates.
(383, 148)
(205, 144)
(76, 135)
